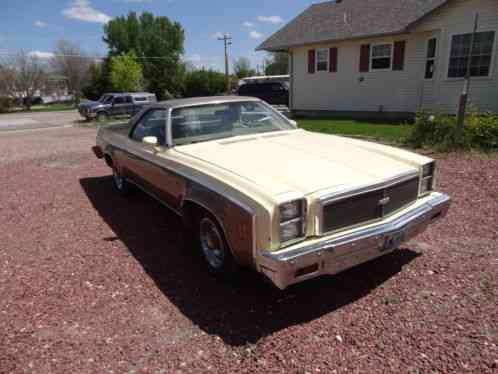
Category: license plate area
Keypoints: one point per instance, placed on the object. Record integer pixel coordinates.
(392, 241)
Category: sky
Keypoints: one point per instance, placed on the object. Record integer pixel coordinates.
(36, 25)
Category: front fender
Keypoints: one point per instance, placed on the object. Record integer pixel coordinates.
(236, 218)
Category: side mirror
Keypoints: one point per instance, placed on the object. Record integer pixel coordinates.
(293, 122)
(150, 140)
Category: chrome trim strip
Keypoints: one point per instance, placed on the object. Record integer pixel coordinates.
(281, 266)
(327, 199)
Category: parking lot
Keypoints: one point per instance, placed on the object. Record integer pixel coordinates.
(93, 282)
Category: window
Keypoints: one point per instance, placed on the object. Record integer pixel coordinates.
(381, 56)
(322, 60)
(139, 98)
(217, 121)
(118, 100)
(152, 123)
(481, 54)
(431, 58)
(128, 100)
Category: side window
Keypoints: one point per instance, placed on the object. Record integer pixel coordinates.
(152, 123)
(129, 100)
(118, 100)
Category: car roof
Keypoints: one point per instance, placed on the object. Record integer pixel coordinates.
(130, 93)
(194, 101)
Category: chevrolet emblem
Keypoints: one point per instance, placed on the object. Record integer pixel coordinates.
(384, 201)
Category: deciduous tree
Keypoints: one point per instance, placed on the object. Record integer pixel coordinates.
(158, 45)
(126, 73)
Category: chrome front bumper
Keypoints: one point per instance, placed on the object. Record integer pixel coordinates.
(333, 254)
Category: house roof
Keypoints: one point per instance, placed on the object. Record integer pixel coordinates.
(349, 19)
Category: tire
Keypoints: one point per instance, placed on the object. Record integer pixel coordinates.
(101, 117)
(120, 183)
(211, 243)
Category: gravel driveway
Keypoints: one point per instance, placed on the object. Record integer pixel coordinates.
(92, 282)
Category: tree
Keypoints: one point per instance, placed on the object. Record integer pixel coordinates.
(73, 64)
(158, 45)
(242, 68)
(22, 77)
(98, 80)
(204, 83)
(126, 73)
(277, 64)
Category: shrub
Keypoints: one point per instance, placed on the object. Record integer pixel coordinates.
(204, 83)
(6, 104)
(441, 132)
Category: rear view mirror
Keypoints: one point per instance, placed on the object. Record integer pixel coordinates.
(150, 140)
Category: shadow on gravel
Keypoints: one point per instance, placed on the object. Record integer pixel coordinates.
(240, 313)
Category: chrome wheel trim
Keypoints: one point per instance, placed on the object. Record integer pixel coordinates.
(212, 243)
(118, 179)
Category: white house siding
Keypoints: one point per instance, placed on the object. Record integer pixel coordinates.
(400, 91)
(351, 90)
(457, 17)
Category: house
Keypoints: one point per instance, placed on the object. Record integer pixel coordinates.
(393, 58)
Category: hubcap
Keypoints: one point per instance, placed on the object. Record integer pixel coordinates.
(118, 179)
(212, 243)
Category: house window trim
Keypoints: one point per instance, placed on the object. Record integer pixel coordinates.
(435, 58)
(371, 69)
(492, 63)
(327, 53)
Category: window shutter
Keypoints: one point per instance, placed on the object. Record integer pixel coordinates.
(333, 60)
(399, 55)
(311, 61)
(365, 58)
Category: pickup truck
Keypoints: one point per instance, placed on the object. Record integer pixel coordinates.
(256, 191)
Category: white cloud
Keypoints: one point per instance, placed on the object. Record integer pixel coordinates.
(218, 34)
(41, 55)
(248, 24)
(194, 58)
(82, 10)
(270, 19)
(40, 24)
(255, 35)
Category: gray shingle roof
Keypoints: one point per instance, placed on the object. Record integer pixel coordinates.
(348, 19)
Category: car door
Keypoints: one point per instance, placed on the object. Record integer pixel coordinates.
(148, 169)
(129, 107)
(118, 106)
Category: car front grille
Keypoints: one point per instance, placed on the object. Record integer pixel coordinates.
(368, 206)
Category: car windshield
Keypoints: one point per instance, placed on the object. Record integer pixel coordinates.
(216, 121)
(105, 99)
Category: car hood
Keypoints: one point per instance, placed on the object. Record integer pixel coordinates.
(90, 104)
(305, 162)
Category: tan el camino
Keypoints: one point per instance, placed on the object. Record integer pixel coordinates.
(258, 192)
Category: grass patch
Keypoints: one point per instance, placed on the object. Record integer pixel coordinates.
(387, 132)
(53, 108)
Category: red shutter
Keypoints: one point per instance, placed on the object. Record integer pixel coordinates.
(399, 55)
(365, 58)
(333, 60)
(311, 61)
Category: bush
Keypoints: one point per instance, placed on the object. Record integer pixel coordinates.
(6, 104)
(204, 83)
(441, 132)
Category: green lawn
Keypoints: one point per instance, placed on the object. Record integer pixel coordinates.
(391, 133)
(52, 108)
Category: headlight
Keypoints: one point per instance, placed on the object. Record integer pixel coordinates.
(427, 183)
(292, 221)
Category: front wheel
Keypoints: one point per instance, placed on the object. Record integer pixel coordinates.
(214, 247)
(120, 183)
(101, 117)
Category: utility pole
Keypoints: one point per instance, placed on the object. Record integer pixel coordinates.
(227, 41)
(462, 105)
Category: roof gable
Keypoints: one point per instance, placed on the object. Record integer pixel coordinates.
(349, 19)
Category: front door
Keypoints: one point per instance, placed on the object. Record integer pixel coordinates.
(145, 165)
(118, 106)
